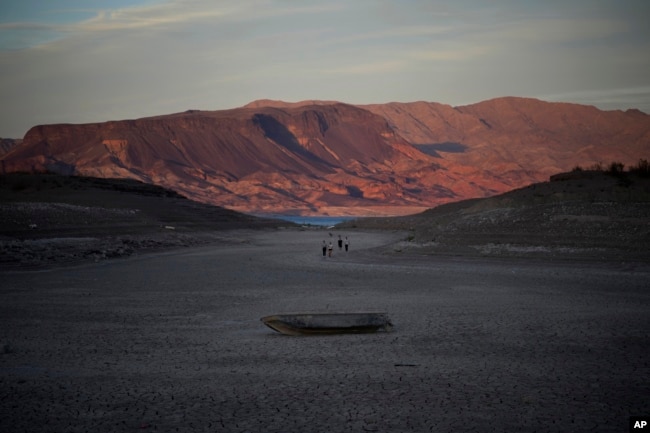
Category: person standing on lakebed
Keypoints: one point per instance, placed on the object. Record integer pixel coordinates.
(340, 243)
(324, 248)
(347, 244)
(330, 248)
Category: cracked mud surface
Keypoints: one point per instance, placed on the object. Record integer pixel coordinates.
(172, 341)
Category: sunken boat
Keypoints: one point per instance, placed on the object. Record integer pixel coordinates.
(328, 323)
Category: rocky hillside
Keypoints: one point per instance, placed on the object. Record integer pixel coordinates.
(581, 214)
(50, 219)
(6, 144)
(41, 205)
(320, 157)
(520, 140)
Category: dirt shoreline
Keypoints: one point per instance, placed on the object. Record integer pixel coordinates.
(171, 341)
(40, 253)
(48, 220)
(35, 251)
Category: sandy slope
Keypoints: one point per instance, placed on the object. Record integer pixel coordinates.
(172, 342)
(49, 220)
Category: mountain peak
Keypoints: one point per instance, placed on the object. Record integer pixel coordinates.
(259, 103)
(317, 157)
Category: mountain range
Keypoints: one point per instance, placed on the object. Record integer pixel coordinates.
(327, 157)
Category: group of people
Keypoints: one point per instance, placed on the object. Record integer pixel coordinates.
(327, 248)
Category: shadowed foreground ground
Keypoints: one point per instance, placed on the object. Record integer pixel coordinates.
(172, 342)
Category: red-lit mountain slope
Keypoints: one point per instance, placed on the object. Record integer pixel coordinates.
(327, 157)
(521, 140)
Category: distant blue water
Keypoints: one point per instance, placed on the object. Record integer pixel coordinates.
(324, 221)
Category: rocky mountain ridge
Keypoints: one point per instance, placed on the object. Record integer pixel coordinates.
(6, 144)
(326, 157)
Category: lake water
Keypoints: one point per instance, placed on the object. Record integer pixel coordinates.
(324, 221)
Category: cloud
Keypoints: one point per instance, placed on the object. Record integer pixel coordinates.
(608, 99)
(449, 54)
(362, 68)
(169, 56)
(400, 32)
(150, 16)
(167, 15)
(560, 30)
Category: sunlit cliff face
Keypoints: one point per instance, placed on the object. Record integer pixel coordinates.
(339, 159)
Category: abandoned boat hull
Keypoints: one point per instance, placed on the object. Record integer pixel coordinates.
(328, 323)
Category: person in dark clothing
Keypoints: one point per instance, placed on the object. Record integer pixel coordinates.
(340, 243)
(347, 244)
(324, 249)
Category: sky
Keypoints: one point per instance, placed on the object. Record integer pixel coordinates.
(81, 61)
